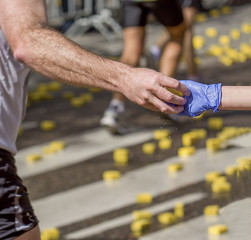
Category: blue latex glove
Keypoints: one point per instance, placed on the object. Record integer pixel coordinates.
(203, 97)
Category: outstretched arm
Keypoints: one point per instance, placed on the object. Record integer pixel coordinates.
(215, 97)
(51, 54)
(236, 98)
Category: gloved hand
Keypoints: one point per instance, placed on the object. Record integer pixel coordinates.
(203, 97)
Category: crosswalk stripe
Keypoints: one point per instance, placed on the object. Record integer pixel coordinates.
(153, 179)
(127, 219)
(79, 148)
(197, 227)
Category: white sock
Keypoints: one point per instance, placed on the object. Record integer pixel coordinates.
(156, 52)
(118, 105)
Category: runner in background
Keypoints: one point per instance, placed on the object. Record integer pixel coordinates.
(135, 14)
(190, 9)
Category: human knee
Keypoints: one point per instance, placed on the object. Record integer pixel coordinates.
(177, 32)
(131, 59)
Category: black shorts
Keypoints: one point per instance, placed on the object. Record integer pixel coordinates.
(167, 12)
(16, 213)
(192, 3)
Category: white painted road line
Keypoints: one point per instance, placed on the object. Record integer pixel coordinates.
(127, 219)
(235, 216)
(97, 198)
(79, 148)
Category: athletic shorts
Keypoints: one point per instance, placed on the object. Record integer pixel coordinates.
(16, 213)
(167, 12)
(192, 3)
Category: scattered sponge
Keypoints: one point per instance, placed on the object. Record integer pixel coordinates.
(167, 218)
(186, 151)
(121, 156)
(148, 148)
(161, 133)
(50, 234)
(217, 229)
(144, 198)
(175, 167)
(165, 143)
(211, 210)
(140, 226)
(111, 175)
(141, 214)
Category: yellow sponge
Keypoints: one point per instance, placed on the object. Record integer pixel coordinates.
(57, 145)
(161, 133)
(141, 214)
(213, 144)
(179, 210)
(148, 148)
(165, 143)
(200, 133)
(221, 187)
(86, 97)
(175, 167)
(186, 151)
(31, 158)
(47, 125)
(220, 179)
(215, 50)
(231, 170)
(244, 163)
(217, 229)
(144, 198)
(198, 42)
(140, 226)
(167, 218)
(201, 17)
(211, 210)
(50, 234)
(224, 40)
(121, 156)
(246, 28)
(54, 147)
(77, 101)
(211, 32)
(111, 175)
(215, 123)
(54, 86)
(189, 139)
(211, 176)
(95, 90)
(235, 34)
(175, 92)
(48, 150)
(214, 13)
(201, 116)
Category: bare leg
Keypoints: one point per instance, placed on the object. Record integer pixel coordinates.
(189, 15)
(33, 234)
(171, 54)
(162, 40)
(133, 49)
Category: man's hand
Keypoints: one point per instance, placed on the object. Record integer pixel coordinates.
(203, 97)
(148, 89)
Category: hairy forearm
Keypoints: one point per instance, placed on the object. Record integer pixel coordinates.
(236, 98)
(51, 54)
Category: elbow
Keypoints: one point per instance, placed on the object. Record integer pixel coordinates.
(20, 52)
